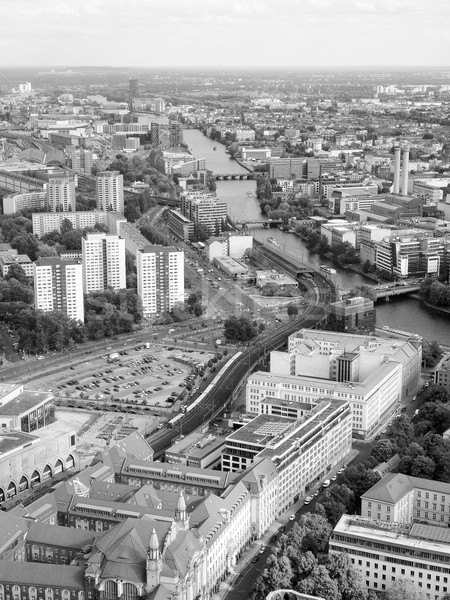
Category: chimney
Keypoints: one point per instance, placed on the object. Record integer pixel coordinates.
(405, 168)
(396, 188)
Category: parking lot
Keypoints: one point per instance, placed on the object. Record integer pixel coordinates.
(138, 380)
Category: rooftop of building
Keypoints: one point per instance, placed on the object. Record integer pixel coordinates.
(23, 403)
(41, 574)
(54, 261)
(412, 537)
(196, 445)
(272, 436)
(353, 387)
(11, 439)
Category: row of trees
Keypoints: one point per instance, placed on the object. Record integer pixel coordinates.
(343, 252)
(294, 564)
(435, 292)
(419, 443)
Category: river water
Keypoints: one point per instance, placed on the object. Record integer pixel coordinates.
(406, 314)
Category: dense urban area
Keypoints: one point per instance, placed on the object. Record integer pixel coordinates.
(197, 397)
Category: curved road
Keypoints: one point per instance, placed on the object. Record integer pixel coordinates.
(222, 392)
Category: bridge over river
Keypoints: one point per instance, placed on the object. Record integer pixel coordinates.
(395, 289)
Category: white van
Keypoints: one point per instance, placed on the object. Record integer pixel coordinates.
(326, 483)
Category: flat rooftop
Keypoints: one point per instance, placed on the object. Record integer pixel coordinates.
(11, 439)
(23, 403)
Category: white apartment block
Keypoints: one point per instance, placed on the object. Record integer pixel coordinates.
(45, 222)
(17, 202)
(103, 262)
(58, 285)
(303, 451)
(373, 374)
(160, 278)
(110, 191)
(386, 552)
(61, 194)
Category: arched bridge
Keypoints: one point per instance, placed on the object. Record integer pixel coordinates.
(230, 176)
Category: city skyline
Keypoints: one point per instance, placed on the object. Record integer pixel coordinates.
(258, 33)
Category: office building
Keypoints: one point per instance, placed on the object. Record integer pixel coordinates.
(303, 451)
(403, 498)
(385, 552)
(103, 262)
(352, 315)
(61, 194)
(160, 278)
(58, 285)
(207, 212)
(110, 191)
(287, 168)
(373, 374)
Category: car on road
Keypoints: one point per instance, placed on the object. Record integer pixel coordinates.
(273, 538)
(255, 559)
(334, 478)
(308, 499)
(292, 517)
(326, 483)
(262, 549)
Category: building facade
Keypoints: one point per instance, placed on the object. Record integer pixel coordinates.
(160, 278)
(103, 262)
(58, 285)
(61, 194)
(110, 191)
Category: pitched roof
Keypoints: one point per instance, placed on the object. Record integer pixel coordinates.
(41, 574)
(390, 488)
(64, 537)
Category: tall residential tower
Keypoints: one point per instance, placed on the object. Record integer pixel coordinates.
(160, 278)
(58, 285)
(103, 262)
(110, 191)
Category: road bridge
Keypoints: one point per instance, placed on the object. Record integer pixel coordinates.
(394, 289)
(267, 223)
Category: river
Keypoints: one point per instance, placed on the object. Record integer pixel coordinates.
(406, 314)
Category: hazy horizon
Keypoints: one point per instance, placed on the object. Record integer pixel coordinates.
(211, 34)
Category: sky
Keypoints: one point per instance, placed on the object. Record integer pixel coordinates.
(221, 33)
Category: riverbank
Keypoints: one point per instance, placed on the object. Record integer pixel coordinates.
(439, 309)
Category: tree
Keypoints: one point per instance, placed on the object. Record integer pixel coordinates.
(350, 583)
(404, 589)
(383, 450)
(319, 583)
(16, 272)
(239, 329)
(318, 531)
(66, 226)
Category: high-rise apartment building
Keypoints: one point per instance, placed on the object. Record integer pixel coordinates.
(133, 91)
(160, 278)
(154, 133)
(58, 285)
(110, 191)
(175, 134)
(61, 194)
(82, 160)
(103, 262)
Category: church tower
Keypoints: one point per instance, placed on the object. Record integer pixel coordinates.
(181, 513)
(153, 563)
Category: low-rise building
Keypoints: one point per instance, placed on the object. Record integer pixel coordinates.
(352, 314)
(197, 450)
(230, 267)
